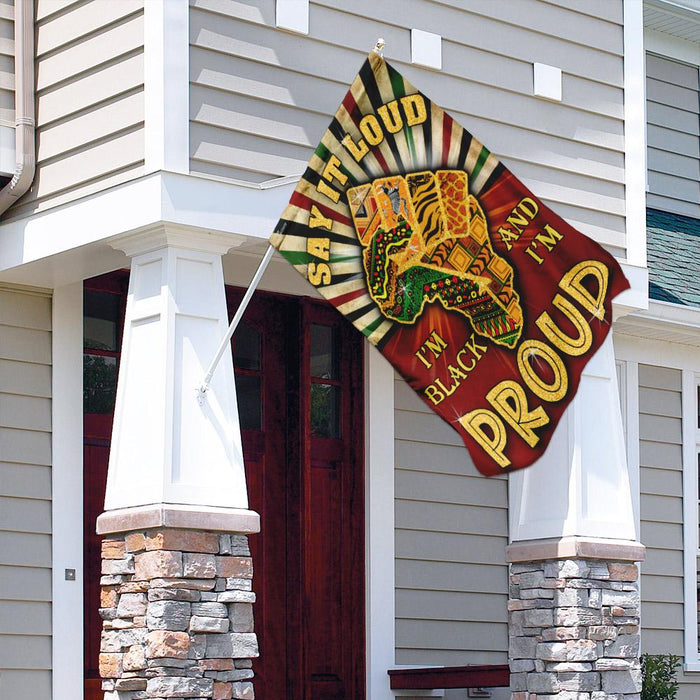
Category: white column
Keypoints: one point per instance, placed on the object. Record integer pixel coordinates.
(580, 488)
(171, 455)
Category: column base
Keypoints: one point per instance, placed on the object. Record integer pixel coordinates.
(573, 624)
(177, 614)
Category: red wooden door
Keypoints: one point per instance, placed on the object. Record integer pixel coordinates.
(300, 400)
(332, 503)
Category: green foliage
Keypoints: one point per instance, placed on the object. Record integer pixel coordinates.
(659, 676)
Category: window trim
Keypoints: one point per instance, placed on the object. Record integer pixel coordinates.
(635, 350)
(691, 444)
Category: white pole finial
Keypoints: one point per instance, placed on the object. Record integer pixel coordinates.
(379, 47)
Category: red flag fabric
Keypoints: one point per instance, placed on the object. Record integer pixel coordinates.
(487, 302)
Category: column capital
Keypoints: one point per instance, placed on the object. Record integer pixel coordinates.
(163, 235)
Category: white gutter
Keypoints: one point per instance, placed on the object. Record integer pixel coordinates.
(25, 147)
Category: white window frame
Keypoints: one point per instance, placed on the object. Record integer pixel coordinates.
(636, 350)
(691, 445)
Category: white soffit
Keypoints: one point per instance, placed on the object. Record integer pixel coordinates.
(679, 18)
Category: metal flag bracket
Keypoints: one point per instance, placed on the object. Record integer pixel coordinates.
(202, 388)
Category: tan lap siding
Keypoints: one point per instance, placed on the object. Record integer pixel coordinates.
(25, 494)
(451, 534)
(673, 135)
(261, 98)
(90, 108)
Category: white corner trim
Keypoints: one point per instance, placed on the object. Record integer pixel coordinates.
(635, 132)
(630, 397)
(67, 491)
(690, 517)
(379, 538)
(166, 86)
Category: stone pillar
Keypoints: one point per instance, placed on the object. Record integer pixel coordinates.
(574, 627)
(177, 615)
(574, 611)
(177, 575)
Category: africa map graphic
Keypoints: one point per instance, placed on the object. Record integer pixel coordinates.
(426, 238)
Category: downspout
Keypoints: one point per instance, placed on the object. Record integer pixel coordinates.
(25, 149)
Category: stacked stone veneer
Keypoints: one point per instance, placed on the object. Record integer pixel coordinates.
(574, 630)
(177, 616)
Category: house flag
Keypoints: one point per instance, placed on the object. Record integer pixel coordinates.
(487, 302)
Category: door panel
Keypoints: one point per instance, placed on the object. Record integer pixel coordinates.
(261, 369)
(333, 529)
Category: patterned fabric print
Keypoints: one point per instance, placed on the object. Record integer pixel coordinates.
(380, 275)
(428, 207)
(497, 270)
(462, 272)
(365, 213)
(454, 193)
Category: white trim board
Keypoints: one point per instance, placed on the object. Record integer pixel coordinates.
(379, 509)
(664, 321)
(67, 492)
(631, 407)
(635, 133)
(652, 351)
(690, 518)
(196, 202)
(671, 47)
(166, 86)
(199, 203)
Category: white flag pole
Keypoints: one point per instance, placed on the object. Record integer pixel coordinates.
(202, 388)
